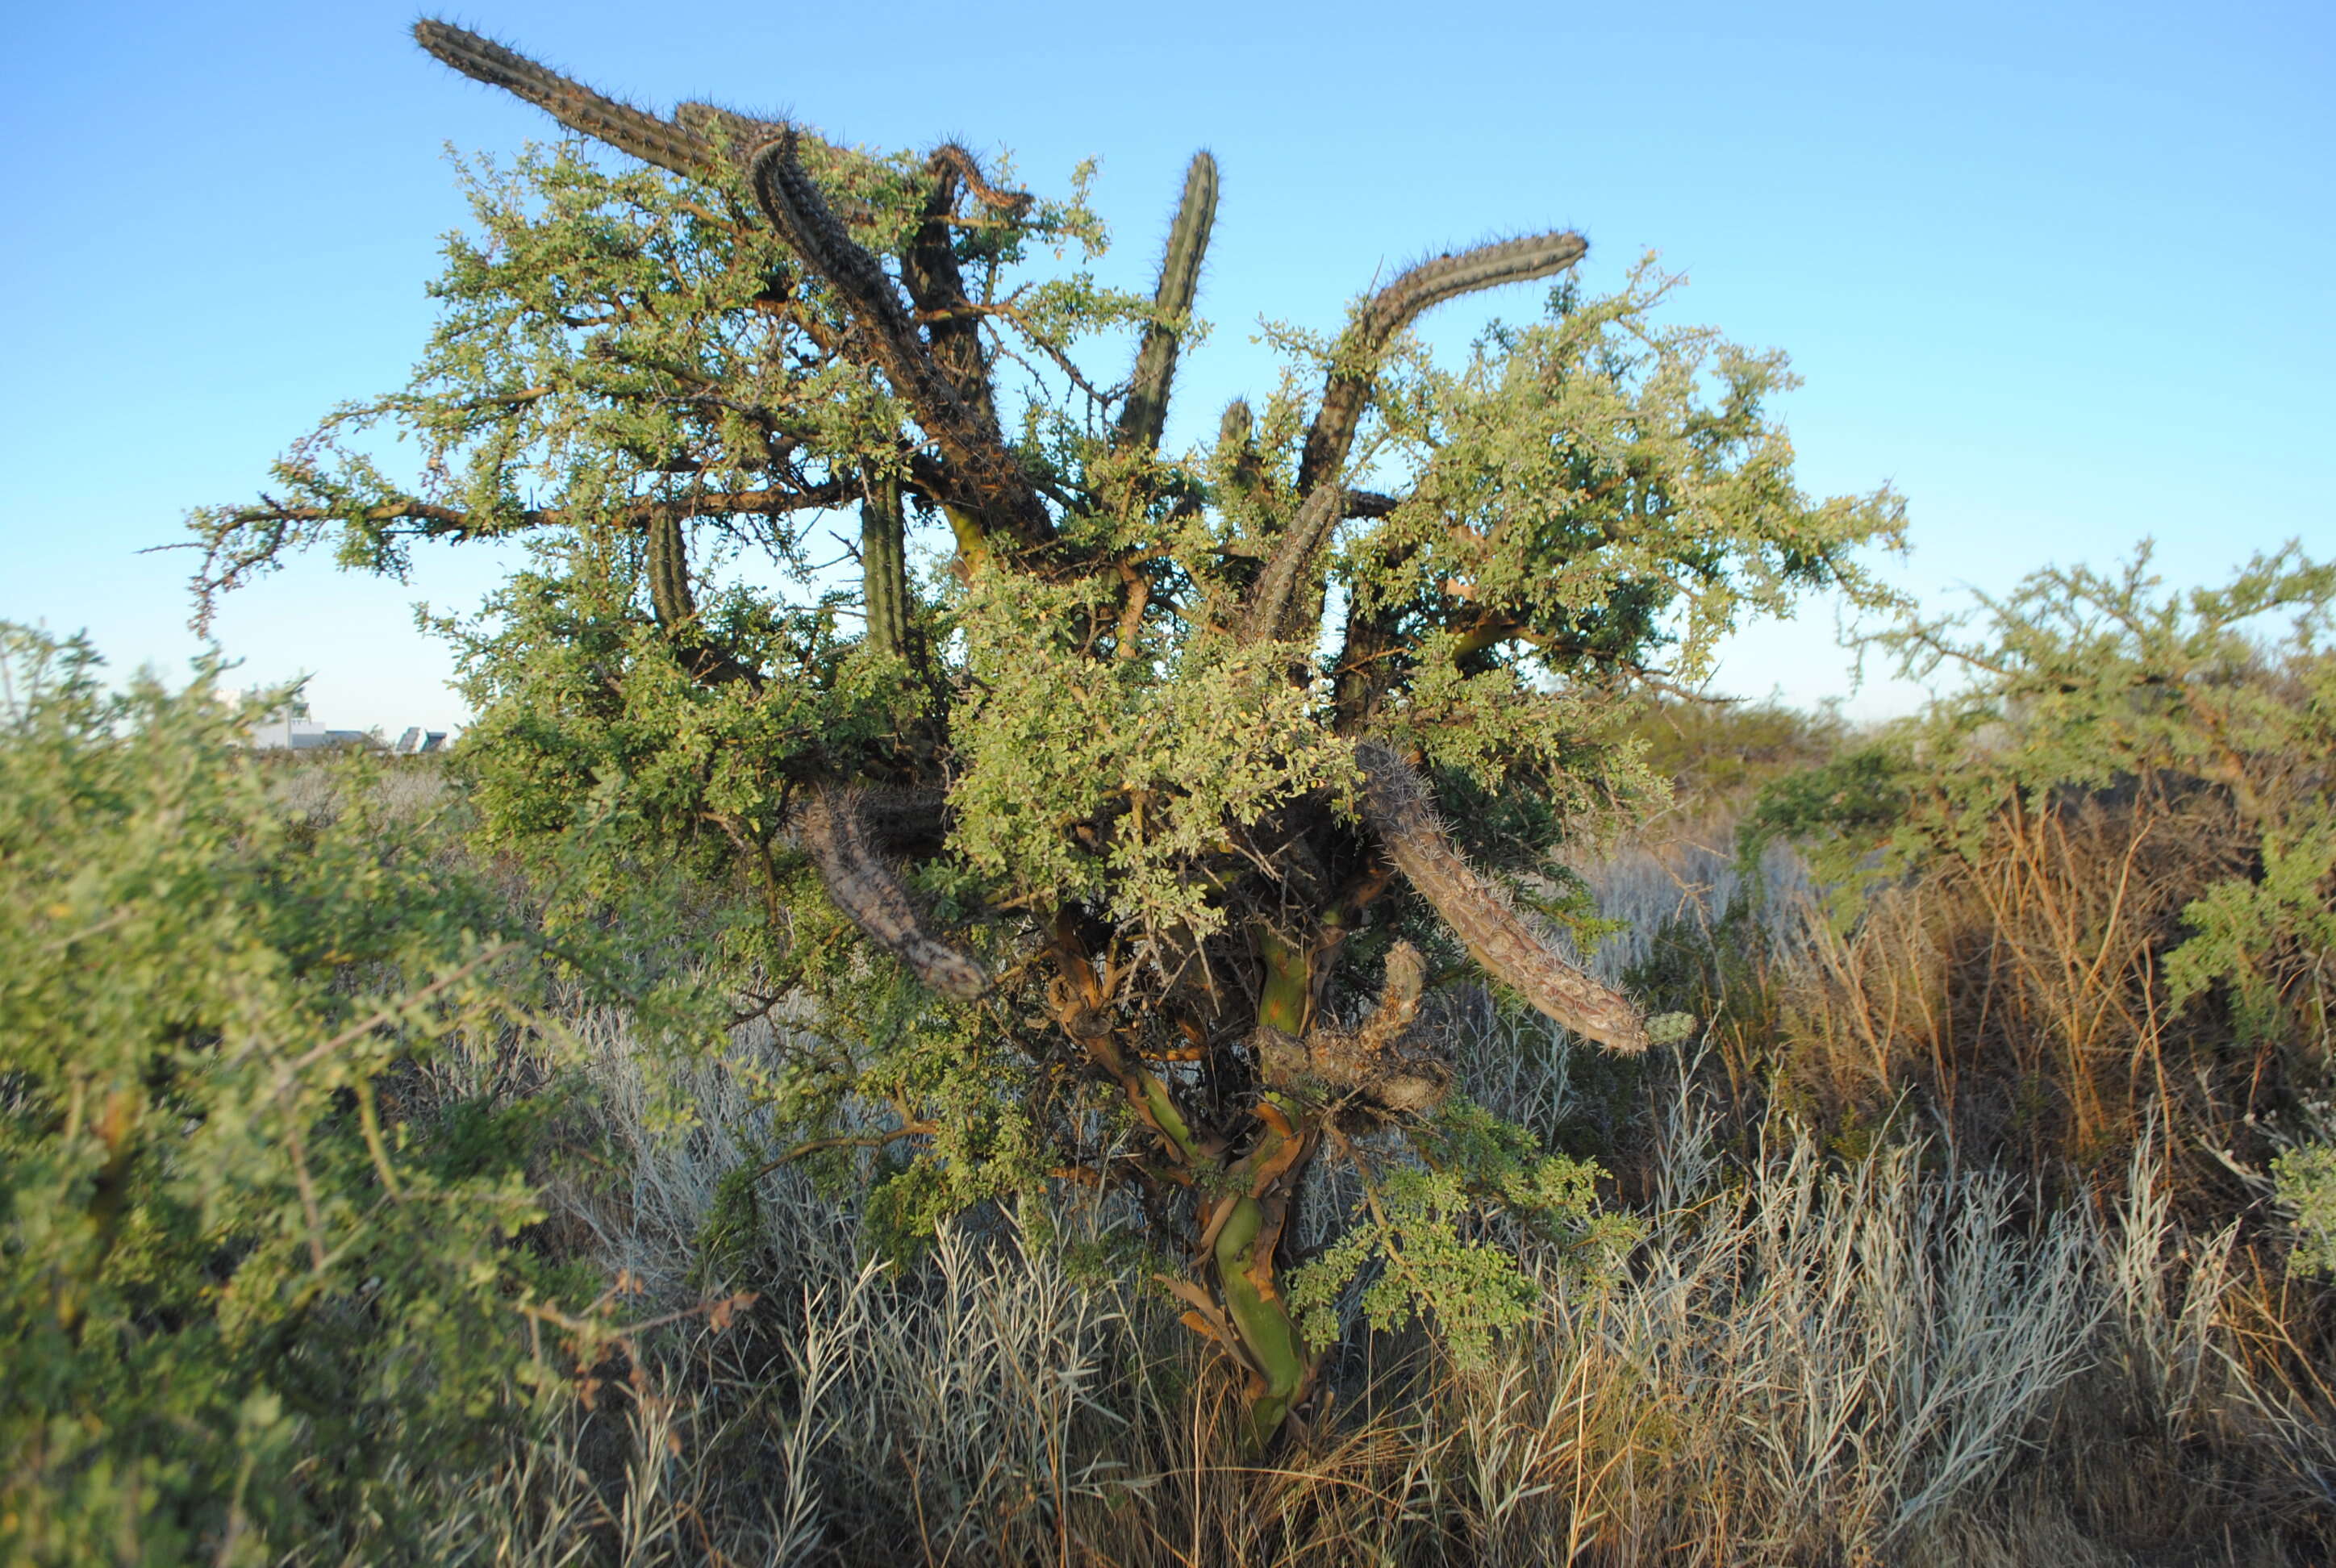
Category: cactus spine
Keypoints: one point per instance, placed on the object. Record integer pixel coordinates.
(1146, 416)
(1395, 803)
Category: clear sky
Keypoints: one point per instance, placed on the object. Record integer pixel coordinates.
(2061, 273)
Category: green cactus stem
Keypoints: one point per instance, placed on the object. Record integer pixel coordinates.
(668, 573)
(1355, 364)
(930, 271)
(1146, 414)
(1288, 993)
(1245, 1260)
(573, 104)
(884, 568)
(1001, 494)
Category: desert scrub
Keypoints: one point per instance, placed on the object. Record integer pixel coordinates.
(1060, 815)
(251, 1302)
(2088, 891)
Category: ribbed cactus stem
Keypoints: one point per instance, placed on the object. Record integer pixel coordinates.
(1399, 995)
(573, 104)
(1001, 492)
(1236, 434)
(829, 826)
(884, 568)
(668, 572)
(1146, 416)
(1397, 804)
(1276, 592)
(1354, 367)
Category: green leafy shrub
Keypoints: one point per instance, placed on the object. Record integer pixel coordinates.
(1096, 811)
(2091, 887)
(257, 1294)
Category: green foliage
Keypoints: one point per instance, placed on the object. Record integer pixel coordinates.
(2084, 684)
(2305, 1180)
(253, 1304)
(1717, 753)
(1422, 1237)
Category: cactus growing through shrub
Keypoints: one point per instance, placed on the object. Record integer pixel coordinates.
(1114, 841)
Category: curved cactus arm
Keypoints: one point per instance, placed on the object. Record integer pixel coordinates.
(929, 268)
(1397, 804)
(1146, 416)
(1276, 590)
(990, 482)
(620, 125)
(1399, 997)
(1355, 365)
(1276, 603)
(827, 824)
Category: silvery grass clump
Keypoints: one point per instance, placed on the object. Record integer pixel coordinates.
(1897, 1360)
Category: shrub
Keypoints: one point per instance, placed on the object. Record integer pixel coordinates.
(252, 1301)
(2089, 890)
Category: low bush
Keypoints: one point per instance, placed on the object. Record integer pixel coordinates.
(259, 1281)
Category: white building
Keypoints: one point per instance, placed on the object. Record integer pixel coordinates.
(289, 729)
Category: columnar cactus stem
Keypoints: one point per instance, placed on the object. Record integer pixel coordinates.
(828, 825)
(1002, 494)
(884, 568)
(1355, 365)
(1395, 803)
(668, 573)
(573, 104)
(929, 268)
(1146, 416)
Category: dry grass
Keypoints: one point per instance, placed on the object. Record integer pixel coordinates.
(1889, 1361)
(1911, 1345)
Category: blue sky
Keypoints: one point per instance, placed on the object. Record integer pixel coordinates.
(2061, 274)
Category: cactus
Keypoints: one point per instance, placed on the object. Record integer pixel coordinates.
(1285, 587)
(573, 104)
(1382, 1063)
(1146, 414)
(996, 487)
(1355, 363)
(884, 568)
(668, 572)
(930, 270)
(733, 134)
(1397, 804)
(828, 825)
